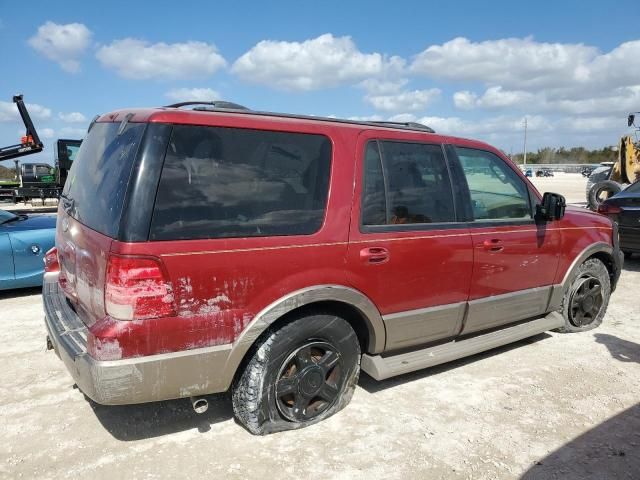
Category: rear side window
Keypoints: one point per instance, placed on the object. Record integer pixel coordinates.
(98, 179)
(230, 182)
(497, 192)
(406, 183)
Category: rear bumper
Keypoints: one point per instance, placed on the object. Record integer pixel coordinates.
(135, 380)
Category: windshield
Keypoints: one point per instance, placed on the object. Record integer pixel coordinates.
(6, 216)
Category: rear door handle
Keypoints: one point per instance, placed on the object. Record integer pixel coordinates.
(494, 245)
(374, 255)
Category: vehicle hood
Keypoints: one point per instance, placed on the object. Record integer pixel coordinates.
(584, 217)
(32, 222)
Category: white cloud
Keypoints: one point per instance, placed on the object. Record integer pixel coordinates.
(9, 112)
(366, 118)
(522, 75)
(322, 62)
(46, 132)
(375, 86)
(72, 117)
(63, 44)
(195, 94)
(408, 101)
(140, 60)
(508, 62)
(616, 101)
(73, 132)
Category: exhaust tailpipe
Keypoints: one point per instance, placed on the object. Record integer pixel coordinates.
(199, 404)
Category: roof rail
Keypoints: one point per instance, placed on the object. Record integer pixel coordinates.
(221, 105)
(218, 104)
(413, 125)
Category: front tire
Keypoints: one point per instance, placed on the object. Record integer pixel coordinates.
(298, 375)
(585, 301)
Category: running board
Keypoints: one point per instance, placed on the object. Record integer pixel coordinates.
(382, 368)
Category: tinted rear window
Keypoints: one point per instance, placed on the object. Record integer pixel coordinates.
(97, 182)
(230, 182)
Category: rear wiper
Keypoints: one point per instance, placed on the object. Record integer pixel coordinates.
(67, 203)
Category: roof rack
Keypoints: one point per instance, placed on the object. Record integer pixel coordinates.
(412, 125)
(217, 105)
(223, 106)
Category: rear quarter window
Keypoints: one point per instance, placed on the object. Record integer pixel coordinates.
(98, 179)
(229, 182)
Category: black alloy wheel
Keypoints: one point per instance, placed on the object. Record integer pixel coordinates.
(586, 301)
(309, 381)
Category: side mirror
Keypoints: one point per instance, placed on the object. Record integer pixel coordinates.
(552, 207)
(630, 119)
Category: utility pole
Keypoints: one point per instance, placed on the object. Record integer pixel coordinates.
(525, 140)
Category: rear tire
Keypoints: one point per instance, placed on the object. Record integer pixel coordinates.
(298, 375)
(585, 300)
(606, 186)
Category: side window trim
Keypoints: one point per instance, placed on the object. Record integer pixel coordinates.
(483, 223)
(457, 224)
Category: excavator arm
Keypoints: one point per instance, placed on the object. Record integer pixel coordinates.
(30, 142)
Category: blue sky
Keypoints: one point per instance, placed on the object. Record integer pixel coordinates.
(472, 69)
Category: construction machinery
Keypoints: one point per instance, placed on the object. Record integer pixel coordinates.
(624, 172)
(35, 180)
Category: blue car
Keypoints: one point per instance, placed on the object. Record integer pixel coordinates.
(24, 239)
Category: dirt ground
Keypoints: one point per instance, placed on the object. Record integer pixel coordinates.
(572, 185)
(554, 406)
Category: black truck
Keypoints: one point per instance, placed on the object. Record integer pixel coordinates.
(36, 180)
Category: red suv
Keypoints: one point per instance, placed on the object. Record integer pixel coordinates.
(212, 249)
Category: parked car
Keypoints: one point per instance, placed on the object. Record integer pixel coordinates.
(24, 238)
(528, 172)
(545, 172)
(276, 255)
(624, 209)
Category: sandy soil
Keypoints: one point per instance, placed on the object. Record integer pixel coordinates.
(572, 185)
(554, 406)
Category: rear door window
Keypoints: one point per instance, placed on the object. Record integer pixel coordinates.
(497, 192)
(230, 182)
(95, 189)
(406, 183)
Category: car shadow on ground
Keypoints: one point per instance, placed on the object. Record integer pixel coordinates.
(622, 350)
(609, 450)
(373, 386)
(632, 264)
(20, 292)
(149, 420)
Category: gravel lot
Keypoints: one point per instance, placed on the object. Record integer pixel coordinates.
(554, 406)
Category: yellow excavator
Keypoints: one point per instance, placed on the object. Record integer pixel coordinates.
(624, 172)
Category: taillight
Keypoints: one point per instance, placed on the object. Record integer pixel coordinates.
(137, 288)
(609, 209)
(51, 263)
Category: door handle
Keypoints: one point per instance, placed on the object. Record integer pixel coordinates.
(374, 255)
(494, 245)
